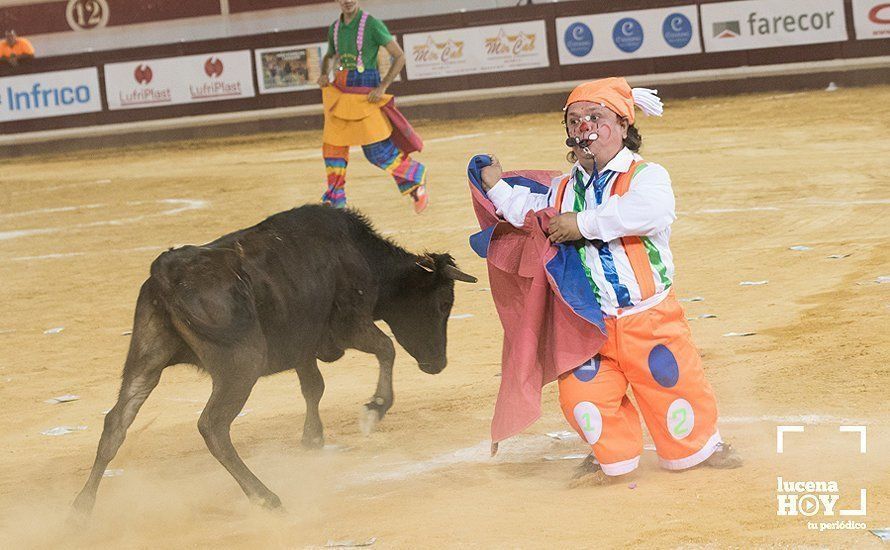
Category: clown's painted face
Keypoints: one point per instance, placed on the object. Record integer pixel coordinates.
(600, 125)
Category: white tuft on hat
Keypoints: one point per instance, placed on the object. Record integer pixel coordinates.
(648, 101)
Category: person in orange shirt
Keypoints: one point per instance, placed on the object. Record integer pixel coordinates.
(15, 49)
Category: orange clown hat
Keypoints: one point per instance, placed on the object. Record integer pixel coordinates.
(616, 94)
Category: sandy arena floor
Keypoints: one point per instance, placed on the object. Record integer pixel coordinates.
(753, 175)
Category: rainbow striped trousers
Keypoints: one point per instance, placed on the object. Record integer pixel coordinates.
(407, 173)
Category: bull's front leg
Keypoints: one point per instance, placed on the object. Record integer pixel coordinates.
(312, 386)
(373, 340)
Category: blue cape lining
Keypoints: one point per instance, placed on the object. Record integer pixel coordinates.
(565, 268)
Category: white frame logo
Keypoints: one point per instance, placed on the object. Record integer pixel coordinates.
(807, 498)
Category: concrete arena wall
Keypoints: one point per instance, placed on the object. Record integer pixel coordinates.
(710, 68)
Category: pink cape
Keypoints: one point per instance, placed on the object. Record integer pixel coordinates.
(551, 319)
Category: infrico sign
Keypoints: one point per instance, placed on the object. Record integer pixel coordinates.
(757, 24)
(49, 94)
(871, 18)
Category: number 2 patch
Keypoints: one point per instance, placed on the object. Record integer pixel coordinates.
(680, 419)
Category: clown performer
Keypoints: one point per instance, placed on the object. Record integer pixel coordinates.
(617, 209)
(358, 111)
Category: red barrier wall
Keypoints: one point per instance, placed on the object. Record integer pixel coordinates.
(50, 17)
(554, 73)
(240, 6)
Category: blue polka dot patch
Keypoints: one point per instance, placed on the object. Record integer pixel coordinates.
(663, 366)
(588, 370)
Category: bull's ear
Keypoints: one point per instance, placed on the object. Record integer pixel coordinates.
(454, 273)
(426, 263)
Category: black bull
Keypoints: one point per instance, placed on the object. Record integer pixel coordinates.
(303, 285)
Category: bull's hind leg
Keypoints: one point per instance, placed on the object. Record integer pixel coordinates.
(230, 391)
(152, 348)
(371, 339)
(312, 386)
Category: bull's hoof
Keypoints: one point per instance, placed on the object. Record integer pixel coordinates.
(368, 419)
(81, 510)
(77, 519)
(270, 502)
(312, 442)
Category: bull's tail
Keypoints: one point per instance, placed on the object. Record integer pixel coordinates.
(208, 291)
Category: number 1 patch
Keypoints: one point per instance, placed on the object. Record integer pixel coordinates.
(590, 420)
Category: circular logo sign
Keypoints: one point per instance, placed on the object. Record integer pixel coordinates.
(578, 39)
(677, 30)
(808, 505)
(84, 15)
(628, 35)
(143, 74)
(213, 67)
(880, 14)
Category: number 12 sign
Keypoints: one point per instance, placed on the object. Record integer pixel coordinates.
(84, 15)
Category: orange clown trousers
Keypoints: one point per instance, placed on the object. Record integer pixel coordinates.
(652, 352)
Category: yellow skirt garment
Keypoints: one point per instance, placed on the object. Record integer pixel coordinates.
(350, 119)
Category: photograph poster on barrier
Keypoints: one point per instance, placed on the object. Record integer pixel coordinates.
(44, 95)
(289, 68)
(753, 24)
(871, 18)
(627, 35)
(177, 80)
(295, 68)
(475, 50)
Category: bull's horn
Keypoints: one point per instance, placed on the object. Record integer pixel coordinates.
(426, 263)
(454, 273)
